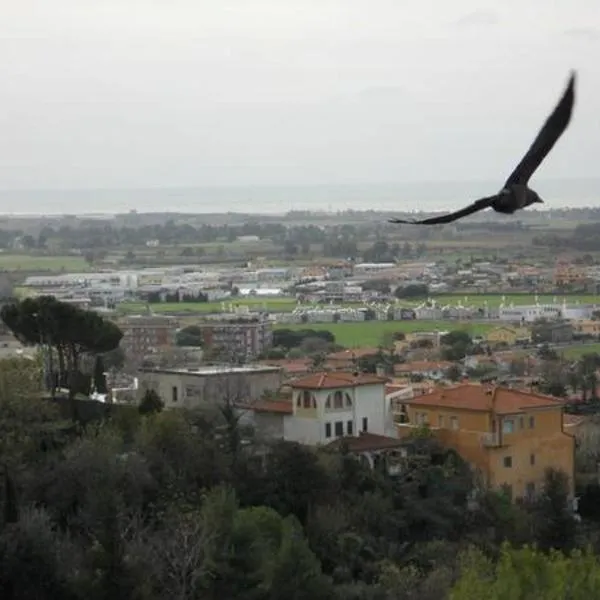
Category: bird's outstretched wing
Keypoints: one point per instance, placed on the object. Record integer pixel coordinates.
(553, 128)
(459, 214)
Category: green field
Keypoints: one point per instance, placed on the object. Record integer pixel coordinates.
(27, 262)
(371, 333)
(575, 352)
(288, 304)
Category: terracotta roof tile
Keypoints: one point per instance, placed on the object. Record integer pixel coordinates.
(270, 406)
(476, 397)
(336, 379)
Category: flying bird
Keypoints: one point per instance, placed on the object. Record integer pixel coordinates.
(516, 194)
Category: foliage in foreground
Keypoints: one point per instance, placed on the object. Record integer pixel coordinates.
(171, 504)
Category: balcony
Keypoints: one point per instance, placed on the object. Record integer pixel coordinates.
(490, 440)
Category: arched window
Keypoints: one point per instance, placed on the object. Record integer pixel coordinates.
(348, 400)
(307, 399)
(328, 402)
(338, 400)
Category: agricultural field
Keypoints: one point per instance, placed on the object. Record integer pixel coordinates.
(575, 352)
(28, 262)
(372, 333)
(288, 304)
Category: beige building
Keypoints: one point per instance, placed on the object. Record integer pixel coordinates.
(201, 386)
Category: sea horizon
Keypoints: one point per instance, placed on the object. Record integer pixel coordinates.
(280, 199)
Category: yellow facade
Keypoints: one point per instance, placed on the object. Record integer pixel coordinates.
(511, 450)
(507, 335)
(586, 327)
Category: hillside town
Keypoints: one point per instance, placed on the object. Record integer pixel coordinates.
(488, 394)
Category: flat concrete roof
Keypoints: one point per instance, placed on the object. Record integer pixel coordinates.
(216, 370)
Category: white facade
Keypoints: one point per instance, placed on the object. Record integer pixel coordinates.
(550, 312)
(323, 415)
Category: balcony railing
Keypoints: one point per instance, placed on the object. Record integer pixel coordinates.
(490, 440)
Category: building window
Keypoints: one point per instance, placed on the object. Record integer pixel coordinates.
(532, 459)
(339, 428)
(441, 421)
(327, 430)
(454, 422)
(521, 422)
(338, 400)
(174, 393)
(365, 424)
(530, 490)
(348, 400)
(531, 422)
(508, 462)
(350, 428)
(508, 426)
(307, 399)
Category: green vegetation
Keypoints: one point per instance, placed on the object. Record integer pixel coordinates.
(289, 304)
(29, 262)
(150, 504)
(371, 333)
(576, 352)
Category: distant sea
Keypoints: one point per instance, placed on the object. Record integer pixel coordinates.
(427, 196)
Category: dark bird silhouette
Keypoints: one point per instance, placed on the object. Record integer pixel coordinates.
(516, 193)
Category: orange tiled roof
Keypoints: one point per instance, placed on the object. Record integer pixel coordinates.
(422, 365)
(282, 407)
(336, 379)
(471, 396)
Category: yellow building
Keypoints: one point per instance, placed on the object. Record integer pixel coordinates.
(586, 327)
(568, 274)
(510, 436)
(508, 335)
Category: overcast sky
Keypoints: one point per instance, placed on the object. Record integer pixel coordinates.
(128, 93)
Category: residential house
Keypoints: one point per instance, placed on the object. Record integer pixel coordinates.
(586, 327)
(552, 332)
(324, 407)
(428, 369)
(210, 385)
(348, 359)
(509, 436)
(586, 430)
(509, 336)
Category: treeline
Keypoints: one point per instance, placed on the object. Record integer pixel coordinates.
(67, 336)
(585, 238)
(334, 240)
(187, 505)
